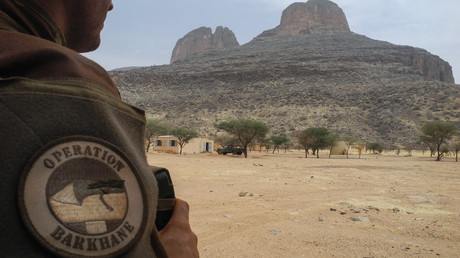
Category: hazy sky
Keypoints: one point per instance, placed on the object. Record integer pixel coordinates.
(144, 32)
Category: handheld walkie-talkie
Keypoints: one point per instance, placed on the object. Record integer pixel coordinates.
(166, 198)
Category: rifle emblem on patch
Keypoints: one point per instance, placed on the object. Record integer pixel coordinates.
(82, 196)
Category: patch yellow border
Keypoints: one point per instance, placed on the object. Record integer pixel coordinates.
(49, 228)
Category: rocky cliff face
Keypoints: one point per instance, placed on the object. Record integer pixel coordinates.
(431, 66)
(314, 16)
(203, 39)
(324, 16)
(349, 83)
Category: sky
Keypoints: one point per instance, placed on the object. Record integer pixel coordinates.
(144, 32)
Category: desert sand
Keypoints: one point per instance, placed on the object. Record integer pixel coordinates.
(284, 205)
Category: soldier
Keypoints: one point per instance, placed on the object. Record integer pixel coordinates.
(74, 176)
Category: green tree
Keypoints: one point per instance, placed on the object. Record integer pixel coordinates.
(438, 133)
(331, 141)
(444, 151)
(375, 146)
(319, 138)
(261, 142)
(264, 142)
(349, 140)
(184, 136)
(278, 140)
(456, 147)
(153, 129)
(225, 140)
(245, 131)
(304, 139)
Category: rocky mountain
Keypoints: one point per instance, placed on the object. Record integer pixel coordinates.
(202, 39)
(293, 77)
(311, 17)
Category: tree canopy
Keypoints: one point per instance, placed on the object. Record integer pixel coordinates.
(319, 138)
(349, 140)
(184, 136)
(315, 138)
(331, 141)
(153, 129)
(278, 140)
(375, 146)
(437, 133)
(225, 140)
(245, 131)
(304, 139)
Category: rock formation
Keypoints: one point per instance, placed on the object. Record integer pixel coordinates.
(349, 83)
(202, 39)
(324, 16)
(313, 16)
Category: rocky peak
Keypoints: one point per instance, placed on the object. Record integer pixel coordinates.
(314, 16)
(202, 39)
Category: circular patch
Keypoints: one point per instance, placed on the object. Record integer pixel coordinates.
(82, 196)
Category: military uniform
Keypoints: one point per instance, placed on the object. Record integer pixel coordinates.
(74, 176)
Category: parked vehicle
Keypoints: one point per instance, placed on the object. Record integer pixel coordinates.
(234, 149)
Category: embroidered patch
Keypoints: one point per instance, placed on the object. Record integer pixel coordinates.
(82, 196)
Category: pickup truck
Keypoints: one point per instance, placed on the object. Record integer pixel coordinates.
(235, 150)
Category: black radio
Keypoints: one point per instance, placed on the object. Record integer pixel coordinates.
(166, 198)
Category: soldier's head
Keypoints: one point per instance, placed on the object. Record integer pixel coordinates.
(80, 20)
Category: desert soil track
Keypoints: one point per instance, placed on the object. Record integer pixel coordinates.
(283, 205)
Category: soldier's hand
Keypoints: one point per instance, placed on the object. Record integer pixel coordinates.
(177, 237)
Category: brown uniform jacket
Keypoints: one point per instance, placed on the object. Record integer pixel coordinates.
(74, 180)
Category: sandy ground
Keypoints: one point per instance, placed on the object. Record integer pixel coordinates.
(283, 205)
